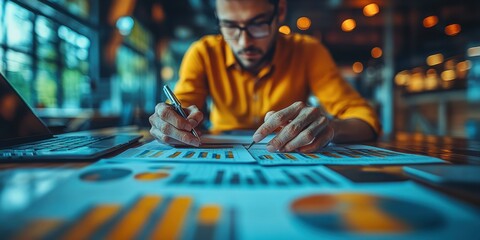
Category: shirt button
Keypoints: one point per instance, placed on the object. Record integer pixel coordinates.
(256, 119)
(255, 97)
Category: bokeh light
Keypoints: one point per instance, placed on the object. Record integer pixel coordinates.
(285, 29)
(348, 25)
(371, 10)
(304, 23)
(430, 21)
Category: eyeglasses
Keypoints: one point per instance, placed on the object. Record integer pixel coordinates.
(254, 30)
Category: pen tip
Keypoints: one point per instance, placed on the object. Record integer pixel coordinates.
(251, 144)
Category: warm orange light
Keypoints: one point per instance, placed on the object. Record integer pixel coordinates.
(357, 67)
(348, 25)
(284, 29)
(448, 75)
(430, 21)
(464, 66)
(304, 23)
(431, 79)
(434, 59)
(402, 78)
(376, 52)
(453, 29)
(158, 14)
(371, 10)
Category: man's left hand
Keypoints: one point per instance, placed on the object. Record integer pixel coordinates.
(301, 128)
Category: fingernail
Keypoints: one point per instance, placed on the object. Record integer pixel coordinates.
(193, 122)
(188, 127)
(195, 143)
(270, 148)
(257, 137)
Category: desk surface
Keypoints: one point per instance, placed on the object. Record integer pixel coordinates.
(456, 151)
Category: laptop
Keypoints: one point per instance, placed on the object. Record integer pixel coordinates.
(24, 137)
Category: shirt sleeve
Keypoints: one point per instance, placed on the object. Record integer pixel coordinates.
(192, 87)
(336, 95)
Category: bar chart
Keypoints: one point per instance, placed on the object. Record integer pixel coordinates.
(338, 155)
(213, 153)
(249, 177)
(187, 175)
(147, 217)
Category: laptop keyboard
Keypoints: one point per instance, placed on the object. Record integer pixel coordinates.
(54, 144)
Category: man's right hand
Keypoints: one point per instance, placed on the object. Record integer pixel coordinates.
(171, 128)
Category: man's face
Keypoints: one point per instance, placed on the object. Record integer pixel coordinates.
(249, 51)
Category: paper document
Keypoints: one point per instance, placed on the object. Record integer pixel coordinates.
(206, 153)
(339, 155)
(344, 154)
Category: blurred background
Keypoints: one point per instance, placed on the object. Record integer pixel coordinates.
(86, 64)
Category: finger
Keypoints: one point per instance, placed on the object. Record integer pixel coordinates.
(195, 116)
(166, 113)
(164, 138)
(306, 136)
(305, 118)
(320, 142)
(268, 115)
(180, 135)
(277, 119)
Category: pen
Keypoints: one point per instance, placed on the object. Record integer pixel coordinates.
(178, 107)
(251, 144)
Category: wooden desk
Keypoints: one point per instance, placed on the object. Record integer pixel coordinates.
(455, 151)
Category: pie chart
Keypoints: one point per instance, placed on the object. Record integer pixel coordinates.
(107, 174)
(364, 213)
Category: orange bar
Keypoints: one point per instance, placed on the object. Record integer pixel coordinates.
(38, 229)
(290, 156)
(91, 222)
(158, 154)
(174, 155)
(134, 220)
(170, 226)
(312, 155)
(209, 214)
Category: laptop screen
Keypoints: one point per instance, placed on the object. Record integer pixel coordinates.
(17, 120)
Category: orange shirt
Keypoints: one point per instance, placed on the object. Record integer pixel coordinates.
(301, 66)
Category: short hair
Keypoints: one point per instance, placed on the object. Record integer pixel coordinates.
(274, 2)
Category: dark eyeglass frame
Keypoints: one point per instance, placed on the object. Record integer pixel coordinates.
(248, 28)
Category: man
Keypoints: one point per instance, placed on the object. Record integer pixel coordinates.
(251, 71)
